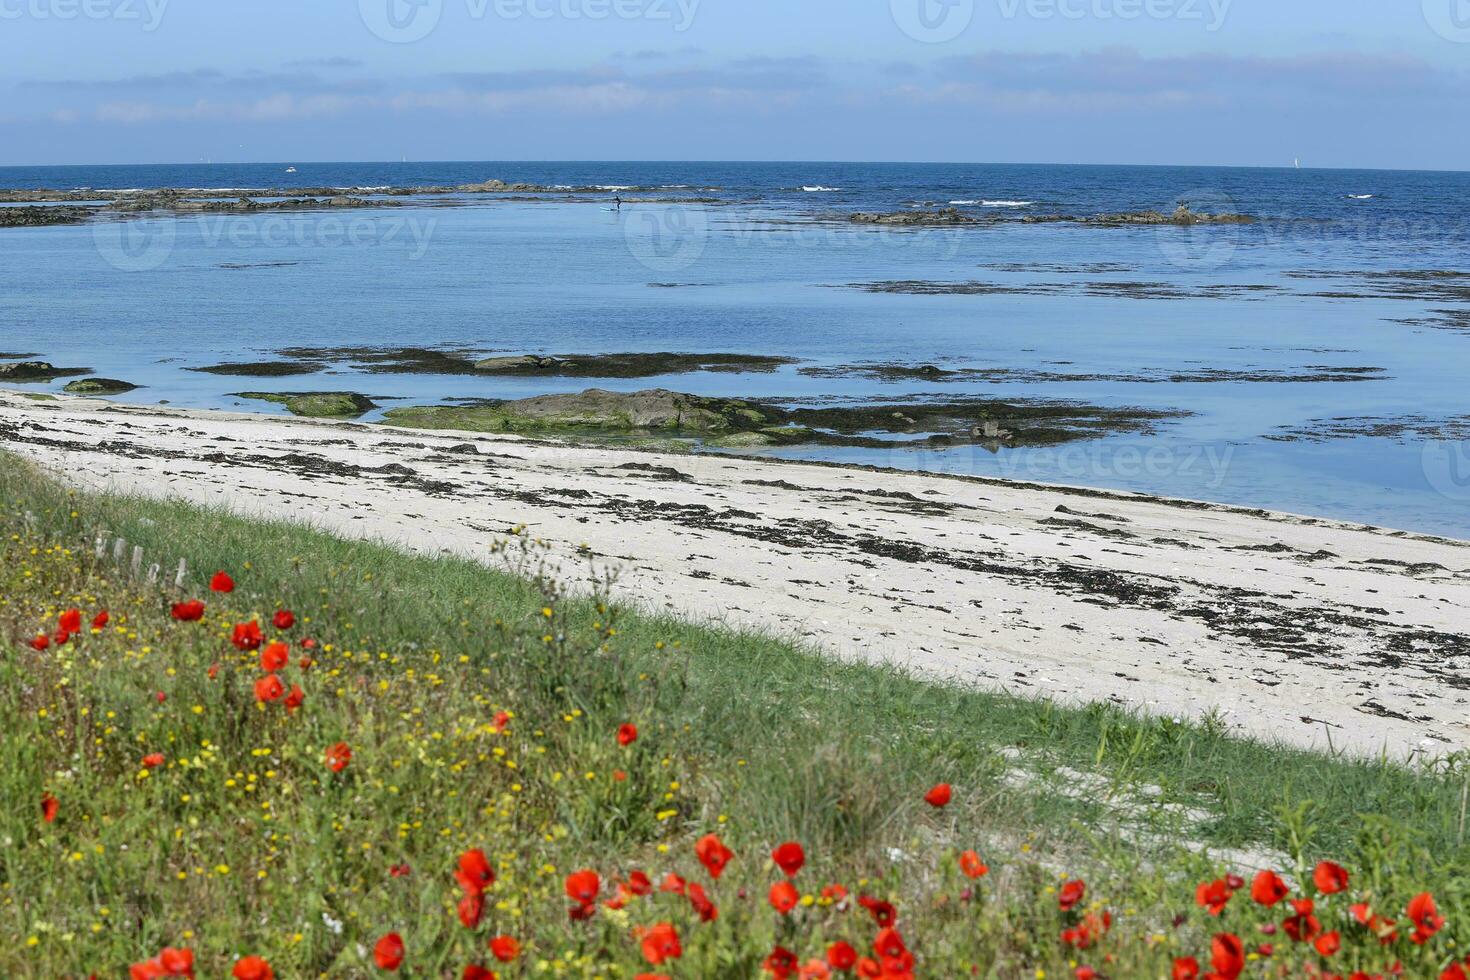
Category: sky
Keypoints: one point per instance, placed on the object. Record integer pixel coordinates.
(1336, 83)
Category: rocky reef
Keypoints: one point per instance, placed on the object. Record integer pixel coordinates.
(99, 386)
(316, 404)
(660, 414)
(37, 371)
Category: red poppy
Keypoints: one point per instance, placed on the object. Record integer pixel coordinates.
(40, 642)
(701, 903)
(502, 721)
(284, 619)
(1227, 955)
(972, 866)
(474, 873)
(178, 962)
(100, 621)
(660, 943)
(213, 671)
(882, 912)
(781, 963)
(713, 854)
(672, 883)
(1268, 889)
(399, 871)
(582, 887)
(1303, 926)
(1071, 894)
(889, 944)
(49, 808)
(505, 948)
(70, 621)
(1426, 918)
(1087, 932)
(939, 796)
(789, 857)
(275, 657)
(221, 583)
(1185, 968)
(189, 612)
(477, 972)
(814, 970)
(471, 908)
(388, 953)
(247, 636)
(841, 956)
(269, 688)
(153, 760)
(252, 968)
(1330, 878)
(61, 638)
(338, 756)
(783, 897)
(296, 698)
(627, 735)
(1085, 973)
(169, 963)
(160, 697)
(1385, 929)
(1328, 943)
(639, 883)
(1213, 896)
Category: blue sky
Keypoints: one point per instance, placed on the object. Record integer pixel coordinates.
(1340, 83)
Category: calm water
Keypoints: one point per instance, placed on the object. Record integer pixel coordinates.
(757, 266)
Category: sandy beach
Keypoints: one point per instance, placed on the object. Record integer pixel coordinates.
(1311, 631)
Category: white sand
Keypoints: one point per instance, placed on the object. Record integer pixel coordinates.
(1288, 627)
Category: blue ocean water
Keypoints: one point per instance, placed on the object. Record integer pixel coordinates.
(759, 258)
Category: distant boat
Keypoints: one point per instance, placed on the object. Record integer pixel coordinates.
(1299, 163)
(290, 170)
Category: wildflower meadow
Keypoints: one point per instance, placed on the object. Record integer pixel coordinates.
(322, 758)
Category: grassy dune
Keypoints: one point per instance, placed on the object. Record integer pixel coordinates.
(482, 708)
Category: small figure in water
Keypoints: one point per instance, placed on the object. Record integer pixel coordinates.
(618, 200)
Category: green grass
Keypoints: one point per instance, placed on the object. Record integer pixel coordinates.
(766, 740)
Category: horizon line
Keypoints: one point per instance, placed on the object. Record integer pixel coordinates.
(712, 161)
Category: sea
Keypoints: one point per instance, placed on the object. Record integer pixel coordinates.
(1315, 360)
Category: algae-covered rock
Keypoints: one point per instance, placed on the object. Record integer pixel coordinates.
(260, 369)
(636, 365)
(37, 371)
(99, 386)
(316, 404)
(595, 411)
(635, 417)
